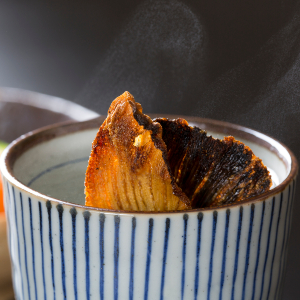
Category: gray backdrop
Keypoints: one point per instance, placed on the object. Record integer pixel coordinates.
(232, 60)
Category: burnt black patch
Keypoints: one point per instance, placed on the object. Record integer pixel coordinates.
(212, 172)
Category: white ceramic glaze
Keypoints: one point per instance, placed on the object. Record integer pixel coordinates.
(63, 250)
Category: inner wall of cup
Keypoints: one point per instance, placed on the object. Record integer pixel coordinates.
(56, 168)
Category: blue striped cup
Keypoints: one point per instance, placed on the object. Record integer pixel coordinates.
(61, 249)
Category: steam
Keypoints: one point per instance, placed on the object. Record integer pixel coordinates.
(162, 58)
(263, 92)
(155, 58)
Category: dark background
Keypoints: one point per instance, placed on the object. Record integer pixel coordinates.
(237, 61)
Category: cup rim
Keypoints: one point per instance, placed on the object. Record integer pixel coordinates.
(25, 142)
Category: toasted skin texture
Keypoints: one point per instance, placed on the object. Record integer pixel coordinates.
(128, 167)
(212, 172)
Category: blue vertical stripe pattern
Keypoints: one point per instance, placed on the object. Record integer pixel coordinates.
(42, 249)
(73, 213)
(18, 239)
(7, 204)
(149, 249)
(258, 249)
(267, 250)
(86, 216)
(32, 247)
(248, 249)
(131, 277)
(116, 258)
(289, 226)
(60, 210)
(7, 201)
(25, 249)
(287, 235)
(212, 249)
(164, 258)
(49, 207)
(237, 250)
(224, 254)
(200, 218)
(185, 223)
(102, 220)
(274, 251)
(270, 242)
(284, 239)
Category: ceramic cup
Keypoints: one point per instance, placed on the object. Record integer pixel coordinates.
(61, 249)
